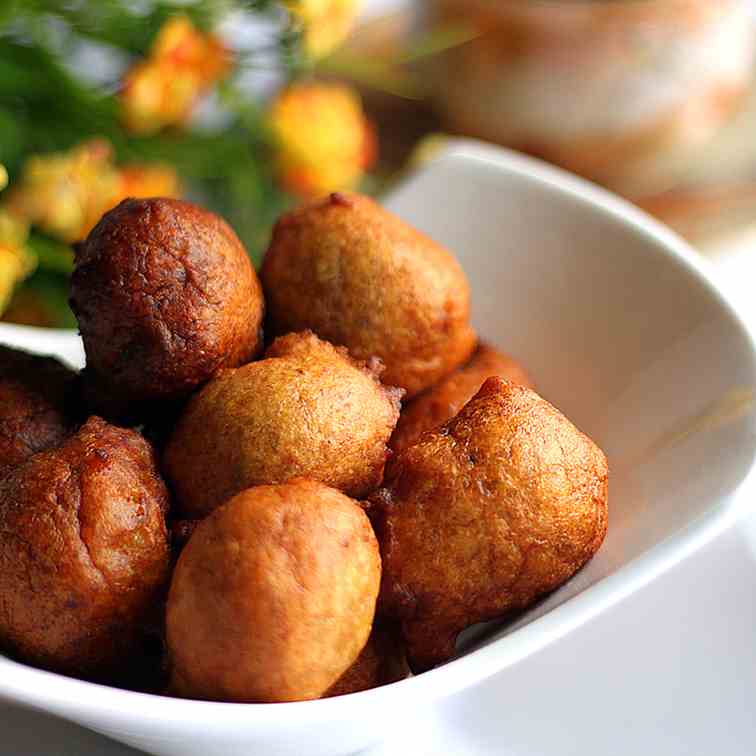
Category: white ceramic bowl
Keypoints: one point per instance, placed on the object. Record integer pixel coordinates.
(623, 330)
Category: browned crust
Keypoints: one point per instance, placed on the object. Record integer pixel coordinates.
(306, 410)
(38, 408)
(165, 296)
(360, 277)
(84, 554)
(501, 505)
(273, 597)
(443, 401)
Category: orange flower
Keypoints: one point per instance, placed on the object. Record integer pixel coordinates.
(325, 23)
(66, 193)
(179, 43)
(146, 181)
(324, 140)
(163, 89)
(154, 97)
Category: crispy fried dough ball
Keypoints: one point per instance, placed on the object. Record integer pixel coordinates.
(37, 405)
(165, 295)
(501, 505)
(381, 662)
(84, 552)
(306, 410)
(444, 400)
(359, 276)
(273, 597)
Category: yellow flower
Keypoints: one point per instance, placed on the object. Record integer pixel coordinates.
(16, 261)
(163, 89)
(428, 148)
(66, 193)
(325, 23)
(154, 97)
(324, 141)
(63, 192)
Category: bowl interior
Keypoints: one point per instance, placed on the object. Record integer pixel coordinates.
(619, 329)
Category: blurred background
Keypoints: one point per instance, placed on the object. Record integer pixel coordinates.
(251, 106)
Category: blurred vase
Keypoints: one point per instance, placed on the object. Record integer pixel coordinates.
(606, 88)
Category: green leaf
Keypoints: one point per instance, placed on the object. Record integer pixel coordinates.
(52, 255)
(52, 289)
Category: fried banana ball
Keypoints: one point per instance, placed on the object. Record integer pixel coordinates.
(306, 410)
(37, 407)
(381, 662)
(444, 400)
(359, 276)
(501, 505)
(84, 552)
(165, 295)
(273, 597)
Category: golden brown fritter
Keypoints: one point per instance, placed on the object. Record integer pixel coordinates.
(381, 662)
(306, 410)
(504, 503)
(165, 295)
(84, 552)
(443, 401)
(273, 597)
(37, 405)
(358, 276)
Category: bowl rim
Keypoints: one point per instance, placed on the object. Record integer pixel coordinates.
(39, 689)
